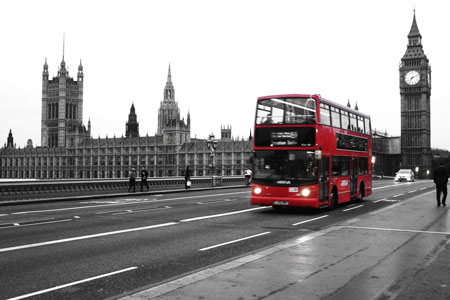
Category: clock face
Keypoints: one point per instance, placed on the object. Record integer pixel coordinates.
(412, 77)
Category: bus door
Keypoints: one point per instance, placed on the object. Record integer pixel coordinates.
(324, 179)
(353, 176)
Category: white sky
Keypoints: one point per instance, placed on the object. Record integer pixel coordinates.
(223, 55)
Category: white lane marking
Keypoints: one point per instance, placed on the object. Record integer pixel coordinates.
(412, 191)
(422, 189)
(224, 214)
(310, 220)
(383, 187)
(214, 202)
(2, 215)
(235, 241)
(398, 230)
(35, 224)
(77, 238)
(353, 208)
(141, 210)
(398, 195)
(115, 201)
(125, 203)
(384, 199)
(71, 284)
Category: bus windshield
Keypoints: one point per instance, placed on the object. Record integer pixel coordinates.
(285, 167)
(286, 111)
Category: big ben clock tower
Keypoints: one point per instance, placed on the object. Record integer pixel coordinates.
(415, 92)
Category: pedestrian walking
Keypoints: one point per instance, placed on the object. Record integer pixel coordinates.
(132, 181)
(144, 175)
(440, 178)
(187, 178)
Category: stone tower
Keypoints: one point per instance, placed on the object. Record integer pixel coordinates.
(175, 131)
(62, 108)
(10, 140)
(415, 92)
(132, 127)
(225, 132)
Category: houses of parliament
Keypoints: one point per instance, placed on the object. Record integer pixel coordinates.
(68, 150)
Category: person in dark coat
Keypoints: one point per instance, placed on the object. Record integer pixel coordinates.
(187, 177)
(132, 181)
(440, 178)
(144, 175)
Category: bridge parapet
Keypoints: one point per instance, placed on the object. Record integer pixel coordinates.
(13, 190)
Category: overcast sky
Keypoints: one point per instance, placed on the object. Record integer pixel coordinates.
(223, 55)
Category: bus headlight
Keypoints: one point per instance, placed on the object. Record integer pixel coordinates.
(257, 190)
(306, 192)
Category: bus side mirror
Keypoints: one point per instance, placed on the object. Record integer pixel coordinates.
(318, 154)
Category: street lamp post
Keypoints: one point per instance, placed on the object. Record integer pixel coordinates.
(212, 145)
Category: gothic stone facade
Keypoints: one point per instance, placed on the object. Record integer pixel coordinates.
(69, 151)
(415, 92)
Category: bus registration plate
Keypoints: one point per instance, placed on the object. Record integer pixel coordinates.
(277, 202)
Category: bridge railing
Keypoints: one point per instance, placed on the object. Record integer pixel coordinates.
(64, 187)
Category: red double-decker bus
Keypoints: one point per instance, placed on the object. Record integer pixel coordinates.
(309, 151)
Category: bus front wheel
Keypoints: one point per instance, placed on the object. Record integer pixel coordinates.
(333, 200)
(361, 194)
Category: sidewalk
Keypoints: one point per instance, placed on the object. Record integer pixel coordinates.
(399, 252)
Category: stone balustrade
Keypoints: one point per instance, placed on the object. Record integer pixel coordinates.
(13, 190)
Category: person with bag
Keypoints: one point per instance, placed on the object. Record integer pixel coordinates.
(132, 181)
(187, 178)
(440, 178)
(144, 175)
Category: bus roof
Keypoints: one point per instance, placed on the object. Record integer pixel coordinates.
(317, 97)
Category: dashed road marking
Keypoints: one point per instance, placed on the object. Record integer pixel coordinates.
(141, 210)
(84, 237)
(310, 220)
(71, 284)
(384, 199)
(214, 202)
(34, 224)
(235, 241)
(224, 214)
(353, 208)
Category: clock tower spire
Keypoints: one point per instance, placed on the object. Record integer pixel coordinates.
(415, 92)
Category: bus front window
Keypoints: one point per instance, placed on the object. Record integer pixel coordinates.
(286, 111)
(285, 167)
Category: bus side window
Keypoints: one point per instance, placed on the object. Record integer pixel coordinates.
(360, 124)
(325, 114)
(345, 161)
(367, 123)
(335, 119)
(353, 123)
(344, 120)
(335, 166)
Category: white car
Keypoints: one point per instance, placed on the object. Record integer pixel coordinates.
(405, 174)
